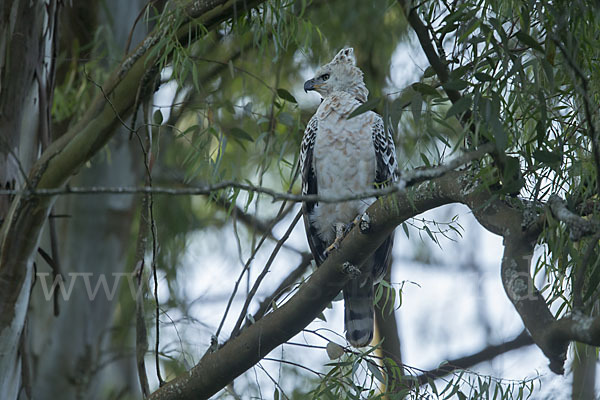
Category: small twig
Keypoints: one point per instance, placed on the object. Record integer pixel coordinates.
(56, 273)
(89, 78)
(242, 273)
(409, 178)
(283, 287)
(486, 354)
(294, 364)
(140, 15)
(263, 273)
(258, 78)
(269, 229)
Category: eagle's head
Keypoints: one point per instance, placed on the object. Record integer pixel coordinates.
(341, 74)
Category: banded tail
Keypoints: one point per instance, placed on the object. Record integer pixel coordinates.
(359, 313)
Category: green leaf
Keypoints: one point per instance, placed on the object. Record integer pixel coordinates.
(276, 394)
(474, 24)
(512, 181)
(459, 107)
(416, 106)
(334, 350)
(396, 110)
(499, 134)
(424, 89)
(228, 107)
(287, 96)
(528, 40)
(456, 84)
(366, 106)
(429, 233)
(287, 119)
(548, 157)
(594, 279)
(429, 72)
(483, 77)
(405, 227)
(376, 372)
(239, 133)
(157, 117)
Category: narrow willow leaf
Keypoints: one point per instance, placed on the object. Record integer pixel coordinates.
(483, 77)
(424, 89)
(529, 41)
(456, 84)
(416, 107)
(547, 157)
(376, 372)
(287, 96)
(459, 107)
(363, 108)
(429, 72)
(239, 133)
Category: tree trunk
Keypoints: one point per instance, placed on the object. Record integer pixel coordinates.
(69, 350)
(27, 33)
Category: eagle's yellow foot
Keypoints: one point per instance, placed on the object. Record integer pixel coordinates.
(340, 233)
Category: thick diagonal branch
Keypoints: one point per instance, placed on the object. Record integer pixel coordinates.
(20, 233)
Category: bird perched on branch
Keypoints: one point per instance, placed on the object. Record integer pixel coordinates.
(343, 155)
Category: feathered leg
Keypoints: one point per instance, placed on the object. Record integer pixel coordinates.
(341, 230)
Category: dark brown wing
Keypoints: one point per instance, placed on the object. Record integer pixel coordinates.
(309, 186)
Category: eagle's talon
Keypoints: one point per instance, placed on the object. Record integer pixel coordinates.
(365, 223)
(334, 246)
(341, 230)
(351, 270)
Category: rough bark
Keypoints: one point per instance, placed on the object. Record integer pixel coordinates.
(26, 37)
(65, 360)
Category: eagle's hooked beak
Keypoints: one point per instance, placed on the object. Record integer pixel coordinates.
(309, 85)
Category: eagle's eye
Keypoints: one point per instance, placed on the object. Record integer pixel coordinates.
(324, 77)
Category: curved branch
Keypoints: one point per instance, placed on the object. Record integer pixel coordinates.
(487, 354)
(21, 230)
(578, 226)
(217, 369)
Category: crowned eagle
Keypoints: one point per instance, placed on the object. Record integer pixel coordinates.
(342, 156)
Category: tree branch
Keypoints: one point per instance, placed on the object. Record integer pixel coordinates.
(217, 369)
(578, 226)
(408, 178)
(21, 230)
(487, 354)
